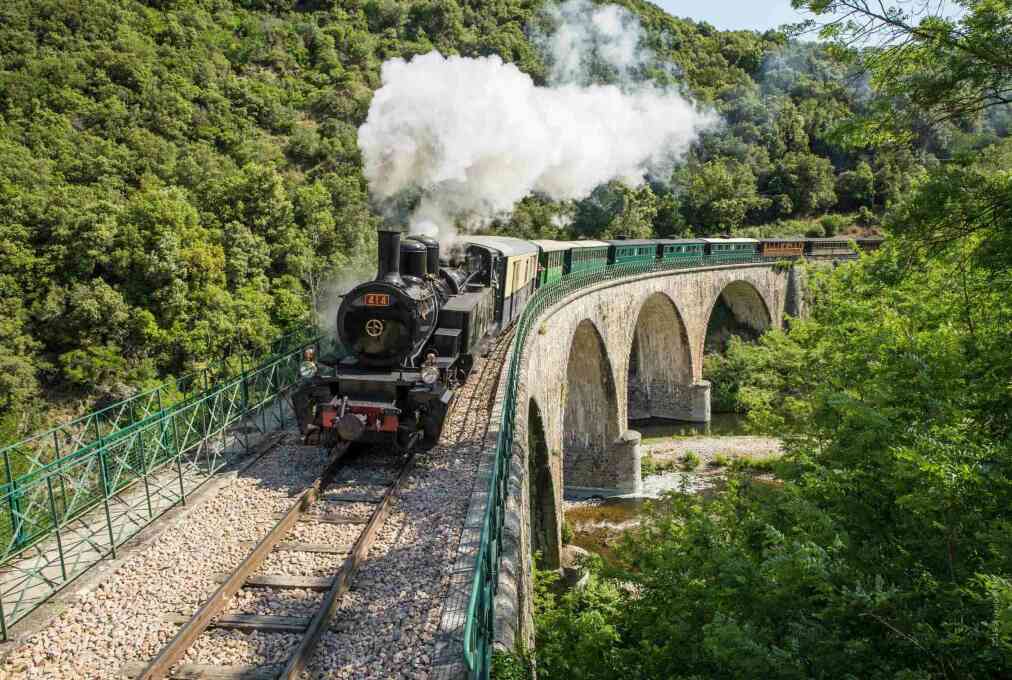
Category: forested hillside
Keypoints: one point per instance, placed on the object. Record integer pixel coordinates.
(881, 549)
(180, 178)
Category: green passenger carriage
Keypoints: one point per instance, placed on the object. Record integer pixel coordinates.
(680, 249)
(632, 251)
(551, 260)
(585, 256)
(731, 249)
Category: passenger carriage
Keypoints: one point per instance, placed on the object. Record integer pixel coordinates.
(723, 250)
(510, 267)
(584, 256)
(829, 248)
(632, 251)
(551, 260)
(680, 249)
(782, 247)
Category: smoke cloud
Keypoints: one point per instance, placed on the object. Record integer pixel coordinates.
(586, 41)
(461, 140)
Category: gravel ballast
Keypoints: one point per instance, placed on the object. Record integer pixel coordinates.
(385, 624)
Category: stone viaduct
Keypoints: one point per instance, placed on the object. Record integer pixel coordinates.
(622, 349)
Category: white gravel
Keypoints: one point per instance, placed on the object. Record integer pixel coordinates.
(386, 623)
(123, 619)
(706, 447)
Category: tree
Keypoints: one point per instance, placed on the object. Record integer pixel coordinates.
(719, 196)
(947, 65)
(807, 180)
(856, 188)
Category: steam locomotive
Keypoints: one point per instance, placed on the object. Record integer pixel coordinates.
(414, 331)
(412, 335)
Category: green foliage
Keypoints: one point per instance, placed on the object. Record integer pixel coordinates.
(179, 180)
(885, 550)
(510, 666)
(689, 461)
(650, 466)
(933, 65)
(575, 634)
(567, 533)
(721, 194)
(752, 464)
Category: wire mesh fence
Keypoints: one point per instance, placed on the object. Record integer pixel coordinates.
(74, 494)
(479, 625)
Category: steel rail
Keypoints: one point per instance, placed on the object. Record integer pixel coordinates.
(162, 664)
(342, 581)
(185, 637)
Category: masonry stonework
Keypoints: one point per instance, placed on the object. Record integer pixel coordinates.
(576, 365)
(620, 350)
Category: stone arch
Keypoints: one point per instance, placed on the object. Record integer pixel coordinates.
(590, 409)
(738, 309)
(546, 533)
(660, 360)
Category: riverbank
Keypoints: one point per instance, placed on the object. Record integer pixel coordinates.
(677, 457)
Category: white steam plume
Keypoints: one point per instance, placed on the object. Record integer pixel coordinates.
(586, 36)
(459, 139)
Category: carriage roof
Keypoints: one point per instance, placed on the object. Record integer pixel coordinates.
(507, 245)
(585, 243)
(632, 242)
(550, 246)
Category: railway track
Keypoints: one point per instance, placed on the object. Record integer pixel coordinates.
(309, 629)
(470, 412)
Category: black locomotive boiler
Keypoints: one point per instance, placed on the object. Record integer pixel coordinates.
(412, 334)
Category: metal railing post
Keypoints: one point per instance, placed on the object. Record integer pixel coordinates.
(12, 500)
(105, 496)
(177, 451)
(59, 467)
(3, 619)
(144, 475)
(56, 526)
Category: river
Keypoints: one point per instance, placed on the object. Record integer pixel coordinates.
(677, 456)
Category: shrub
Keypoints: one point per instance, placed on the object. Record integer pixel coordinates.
(753, 464)
(510, 666)
(689, 461)
(567, 532)
(834, 224)
(815, 230)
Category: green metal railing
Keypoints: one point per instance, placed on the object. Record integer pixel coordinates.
(478, 628)
(72, 495)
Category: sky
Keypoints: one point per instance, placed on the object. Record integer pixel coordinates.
(735, 14)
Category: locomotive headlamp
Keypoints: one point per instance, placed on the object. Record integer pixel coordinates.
(308, 369)
(430, 374)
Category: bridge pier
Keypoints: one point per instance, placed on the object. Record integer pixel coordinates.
(604, 471)
(658, 399)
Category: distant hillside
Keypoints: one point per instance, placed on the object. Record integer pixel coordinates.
(178, 177)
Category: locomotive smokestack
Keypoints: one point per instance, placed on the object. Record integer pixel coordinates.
(432, 253)
(389, 252)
